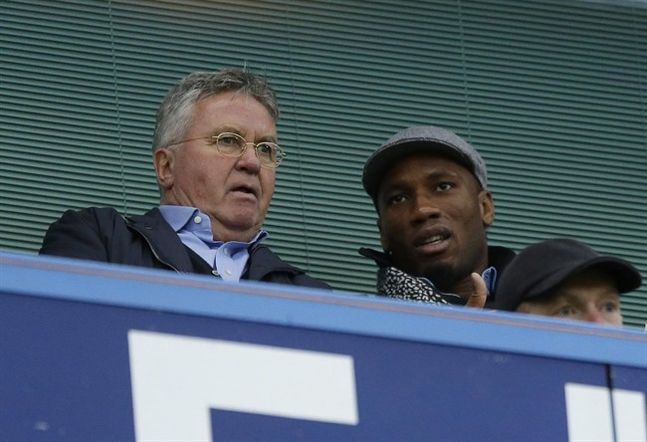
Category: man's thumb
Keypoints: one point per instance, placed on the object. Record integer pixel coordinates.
(479, 294)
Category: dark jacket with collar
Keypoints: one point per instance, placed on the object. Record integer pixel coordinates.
(102, 234)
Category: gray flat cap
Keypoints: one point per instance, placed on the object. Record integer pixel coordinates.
(421, 139)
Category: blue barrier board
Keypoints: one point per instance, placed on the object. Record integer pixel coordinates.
(96, 352)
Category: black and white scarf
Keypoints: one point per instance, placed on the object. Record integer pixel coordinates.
(394, 283)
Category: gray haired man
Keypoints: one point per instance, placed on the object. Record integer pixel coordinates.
(216, 155)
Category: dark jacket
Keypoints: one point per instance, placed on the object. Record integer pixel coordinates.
(102, 234)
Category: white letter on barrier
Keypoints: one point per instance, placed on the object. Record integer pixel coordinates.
(630, 414)
(176, 380)
(589, 416)
(588, 412)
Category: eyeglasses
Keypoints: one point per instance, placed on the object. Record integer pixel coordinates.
(233, 145)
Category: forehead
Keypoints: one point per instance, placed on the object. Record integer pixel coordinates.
(231, 112)
(233, 106)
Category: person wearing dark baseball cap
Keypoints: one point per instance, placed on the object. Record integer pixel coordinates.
(567, 278)
(429, 188)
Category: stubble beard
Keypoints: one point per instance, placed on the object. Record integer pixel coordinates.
(445, 277)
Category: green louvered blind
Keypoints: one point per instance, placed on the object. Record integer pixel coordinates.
(552, 93)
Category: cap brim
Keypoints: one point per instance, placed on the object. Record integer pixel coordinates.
(626, 277)
(385, 157)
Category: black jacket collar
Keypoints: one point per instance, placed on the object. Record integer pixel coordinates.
(165, 242)
(162, 239)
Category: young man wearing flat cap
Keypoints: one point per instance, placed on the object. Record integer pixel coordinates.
(429, 188)
(566, 278)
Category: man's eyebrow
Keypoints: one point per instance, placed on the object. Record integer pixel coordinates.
(568, 297)
(391, 186)
(226, 128)
(269, 138)
(441, 173)
(548, 300)
(229, 128)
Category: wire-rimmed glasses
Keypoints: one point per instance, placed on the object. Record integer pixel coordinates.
(234, 145)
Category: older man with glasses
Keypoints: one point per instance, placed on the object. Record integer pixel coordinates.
(215, 154)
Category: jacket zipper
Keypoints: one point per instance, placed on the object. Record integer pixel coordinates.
(150, 246)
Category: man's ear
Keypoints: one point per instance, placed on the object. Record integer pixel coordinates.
(164, 160)
(486, 205)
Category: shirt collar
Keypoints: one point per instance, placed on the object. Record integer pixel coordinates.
(178, 218)
(489, 276)
(260, 236)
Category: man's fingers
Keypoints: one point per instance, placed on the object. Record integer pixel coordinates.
(479, 294)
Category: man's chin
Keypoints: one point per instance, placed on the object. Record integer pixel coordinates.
(244, 218)
(242, 226)
(444, 277)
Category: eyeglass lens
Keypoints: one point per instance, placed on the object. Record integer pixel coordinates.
(229, 143)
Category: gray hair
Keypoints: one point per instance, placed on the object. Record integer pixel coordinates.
(175, 112)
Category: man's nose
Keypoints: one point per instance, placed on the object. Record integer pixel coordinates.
(593, 314)
(424, 207)
(249, 160)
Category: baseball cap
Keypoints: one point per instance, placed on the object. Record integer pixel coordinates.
(538, 269)
(420, 139)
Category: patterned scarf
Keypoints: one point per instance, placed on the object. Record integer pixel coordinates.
(394, 283)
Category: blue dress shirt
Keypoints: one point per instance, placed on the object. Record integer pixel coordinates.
(229, 259)
(490, 276)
